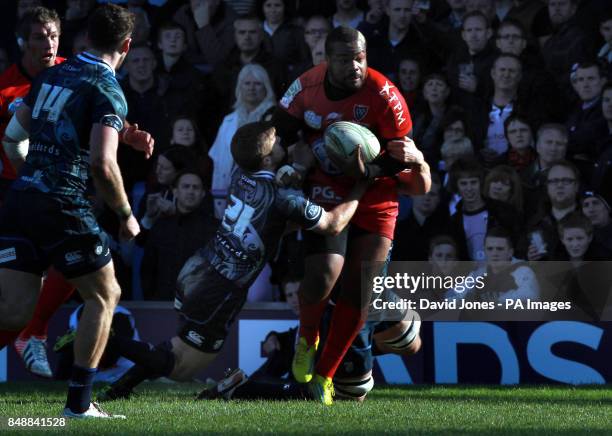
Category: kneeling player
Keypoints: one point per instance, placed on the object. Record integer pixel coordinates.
(213, 284)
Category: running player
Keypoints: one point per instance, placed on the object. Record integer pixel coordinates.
(344, 88)
(213, 284)
(72, 116)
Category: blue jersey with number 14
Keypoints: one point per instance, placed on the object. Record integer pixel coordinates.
(66, 100)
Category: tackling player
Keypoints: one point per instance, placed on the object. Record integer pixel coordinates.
(213, 284)
(344, 88)
(47, 218)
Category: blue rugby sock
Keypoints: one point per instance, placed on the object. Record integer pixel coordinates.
(79, 388)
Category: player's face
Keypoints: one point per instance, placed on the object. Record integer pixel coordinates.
(595, 210)
(435, 91)
(316, 30)
(605, 29)
(278, 153)
(427, 204)
(253, 90)
(444, 258)
(562, 186)
(506, 74)
(172, 42)
(292, 297)
(400, 13)
(454, 131)
(274, 11)
(409, 75)
(347, 65)
(183, 133)
(519, 135)
(498, 251)
(475, 34)
(42, 44)
(469, 189)
(606, 104)
(165, 171)
(576, 242)
(189, 193)
(551, 145)
(588, 83)
(510, 40)
(500, 189)
(248, 35)
(560, 11)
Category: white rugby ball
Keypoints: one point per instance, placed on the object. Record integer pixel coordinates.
(342, 138)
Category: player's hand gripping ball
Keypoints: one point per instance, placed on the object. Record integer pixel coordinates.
(342, 138)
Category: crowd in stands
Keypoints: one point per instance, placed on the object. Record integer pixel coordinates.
(510, 103)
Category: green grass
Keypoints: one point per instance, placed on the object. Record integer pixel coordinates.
(171, 409)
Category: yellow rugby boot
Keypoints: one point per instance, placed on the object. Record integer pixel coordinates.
(303, 360)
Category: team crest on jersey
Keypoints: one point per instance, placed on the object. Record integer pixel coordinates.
(359, 112)
(313, 120)
(14, 105)
(293, 90)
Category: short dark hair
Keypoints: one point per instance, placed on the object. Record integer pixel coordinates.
(251, 144)
(189, 170)
(477, 14)
(343, 35)
(565, 164)
(109, 26)
(575, 220)
(37, 15)
(516, 117)
(170, 25)
(442, 240)
(506, 55)
(511, 22)
(464, 168)
(500, 232)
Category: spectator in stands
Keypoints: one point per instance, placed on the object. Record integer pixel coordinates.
(142, 26)
(449, 26)
(374, 18)
(562, 184)
(173, 239)
(250, 49)
(427, 122)
(604, 55)
(284, 36)
(453, 149)
(409, 81)
(602, 172)
(597, 209)
(470, 64)
(503, 183)
(443, 254)
(254, 99)
(475, 213)
(316, 29)
(567, 45)
(209, 26)
(187, 137)
(519, 135)
(74, 20)
(80, 42)
(525, 12)
(576, 235)
(488, 9)
(347, 14)
(586, 124)
(428, 216)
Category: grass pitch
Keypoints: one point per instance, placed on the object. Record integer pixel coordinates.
(171, 409)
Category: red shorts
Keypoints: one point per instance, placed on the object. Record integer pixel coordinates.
(378, 208)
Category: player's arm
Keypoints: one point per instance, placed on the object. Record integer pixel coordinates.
(334, 221)
(104, 141)
(16, 136)
(287, 128)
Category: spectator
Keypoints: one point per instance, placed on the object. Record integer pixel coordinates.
(566, 45)
(428, 216)
(503, 183)
(409, 80)
(576, 235)
(475, 214)
(525, 12)
(285, 37)
(175, 238)
(427, 122)
(254, 98)
(597, 209)
(486, 7)
(453, 149)
(187, 138)
(602, 171)
(443, 254)
(74, 20)
(604, 55)
(80, 42)
(374, 18)
(209, 28)
(250, 49)
(347, 14)
(449, 25)
(142, 25)
(519, 136)
(315, 31)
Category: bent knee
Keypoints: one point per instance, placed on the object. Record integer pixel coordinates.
(354, 388)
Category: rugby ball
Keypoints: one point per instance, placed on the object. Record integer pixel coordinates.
(342, 138)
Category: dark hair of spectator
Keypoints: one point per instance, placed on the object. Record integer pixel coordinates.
(565, 164)
(553, 126)
(435, 76)
(516, 117)
(575, 220)
(249, 17)
(464, 168)
(508, 174)
(507, 55)
(511, 22)
(477, 14)
(442, 240)
(109, 26)
(500, 232)
(37, 15)
(185, 171)
(454, 114)
(585, 65)
(344, 35)
(170, 25)
(251, 144)
(177, 157)
(288, 13)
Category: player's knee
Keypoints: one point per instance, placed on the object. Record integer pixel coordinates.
(403, 338)
(354, 388)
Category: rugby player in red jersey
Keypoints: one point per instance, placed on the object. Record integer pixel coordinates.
(344, 88)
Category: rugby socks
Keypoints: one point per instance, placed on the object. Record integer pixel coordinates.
(159, 360)
(310, 318)
(346, 322)
(55, 291)
(79, 388)
(7, 337)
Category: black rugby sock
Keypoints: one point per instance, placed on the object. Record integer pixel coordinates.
(159, 360)
(79, 388)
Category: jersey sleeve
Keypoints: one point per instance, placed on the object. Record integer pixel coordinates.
(394, 119)
(293, 100)
(110, 107)
(292, 204)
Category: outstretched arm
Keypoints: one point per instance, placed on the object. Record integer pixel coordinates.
(334, 221)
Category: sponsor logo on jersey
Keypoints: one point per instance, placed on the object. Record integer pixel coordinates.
(14, 105)
(324, 194)
(194, 337)
(293, 90)
(313, 120)
(8, 254)
(73, 257)
(393, 99)
(359, 112)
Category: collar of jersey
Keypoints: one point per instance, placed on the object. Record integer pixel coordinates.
(91, 59)
(264, 174)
